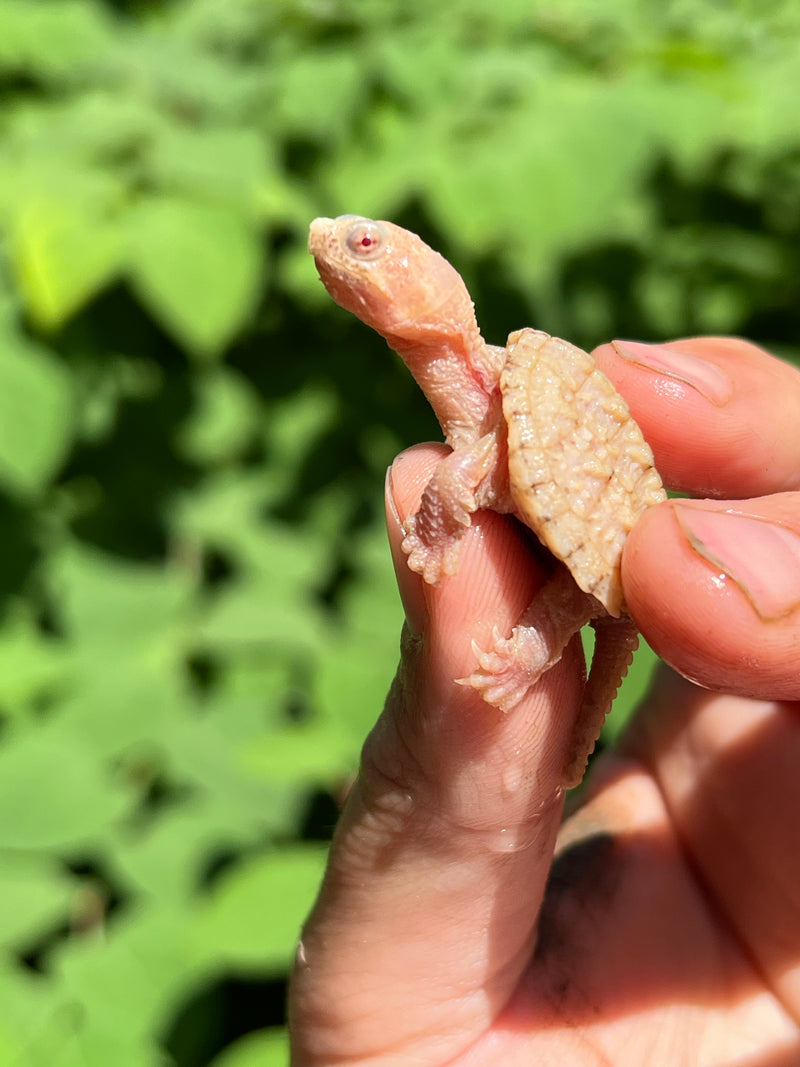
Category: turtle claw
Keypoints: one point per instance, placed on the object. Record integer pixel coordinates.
(509, 668)
(504, 694)
(433, 560)
(497, 658)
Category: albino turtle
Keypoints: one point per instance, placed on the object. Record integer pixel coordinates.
(536, 430)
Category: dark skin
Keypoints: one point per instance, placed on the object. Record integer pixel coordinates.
(463, 920)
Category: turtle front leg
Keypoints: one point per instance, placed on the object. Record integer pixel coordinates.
(433, 535)
(513, 664)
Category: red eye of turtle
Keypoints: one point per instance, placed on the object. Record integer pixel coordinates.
(366, 240)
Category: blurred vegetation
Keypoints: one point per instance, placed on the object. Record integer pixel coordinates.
(198, 621)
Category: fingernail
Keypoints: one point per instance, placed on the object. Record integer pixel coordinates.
(409, 584)
(761, 557)
(391, 503)
(705, 377)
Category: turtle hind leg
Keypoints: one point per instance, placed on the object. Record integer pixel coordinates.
(616, 641)
(508, 669)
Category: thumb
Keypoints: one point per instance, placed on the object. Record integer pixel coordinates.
(426, 919)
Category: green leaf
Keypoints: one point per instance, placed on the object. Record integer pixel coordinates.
(36, 417)
(319, 753)
(225, 420)
(92, 1046)
(197, 267)
(36, 1024)
(295, 425)
(64, 254)
(255, 914)
(267, 608)
(128, 640)
(51, 37)
(201, 758)
(30, 665)
(262, 1048)
(124, 607)
(270, 600)
(226, 166)
(127, 983)
(34, 895)
(361, 656)
(53, 793)
(320, 92)
(165, 861)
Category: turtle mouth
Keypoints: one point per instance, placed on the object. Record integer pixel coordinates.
(357, 291)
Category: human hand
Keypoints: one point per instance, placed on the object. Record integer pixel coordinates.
(668, 929)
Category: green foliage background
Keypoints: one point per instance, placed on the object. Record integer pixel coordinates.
(197, 616)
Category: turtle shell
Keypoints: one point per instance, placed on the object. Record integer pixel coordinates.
(580, 471)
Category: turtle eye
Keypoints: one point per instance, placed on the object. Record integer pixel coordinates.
(366, 239)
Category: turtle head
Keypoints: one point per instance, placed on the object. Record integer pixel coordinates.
(390, 279)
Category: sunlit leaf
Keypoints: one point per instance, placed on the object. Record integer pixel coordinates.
(126, 985)
(320, 92)
(360, 659)
(34, 894)
(225, 419)
(51, 36)
(228, 166)
(52, 793)
(35, 414)
(256, 910)
(317, 753)
(197, 267)
(262, 1048)
(64, 256)
(31, 665)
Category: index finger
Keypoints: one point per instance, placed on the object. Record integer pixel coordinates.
(720, 413)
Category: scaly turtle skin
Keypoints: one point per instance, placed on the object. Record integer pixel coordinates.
(536, 431)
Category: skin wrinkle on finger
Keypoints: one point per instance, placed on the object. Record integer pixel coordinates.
(428, 799)
(398, 807)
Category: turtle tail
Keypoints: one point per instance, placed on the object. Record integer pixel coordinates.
(616, 641)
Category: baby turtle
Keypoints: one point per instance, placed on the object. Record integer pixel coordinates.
(536, 430)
